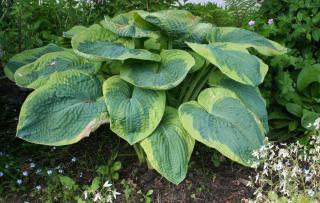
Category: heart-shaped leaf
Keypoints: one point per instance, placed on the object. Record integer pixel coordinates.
(63, 111)
(168, 73)
(99, 44)
(249, 95)
(73, 31)
(246, 39)
(36, 74)
(128, 25)
(27, 57)
(222, 121)
(134, 112)
(234, 61)
(169, 147)
(171, 21)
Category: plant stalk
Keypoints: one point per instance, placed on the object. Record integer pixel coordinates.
(140, 153)
(202, 83)
(194, 83)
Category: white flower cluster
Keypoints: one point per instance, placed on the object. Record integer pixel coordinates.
(288, 170)
(105, 194)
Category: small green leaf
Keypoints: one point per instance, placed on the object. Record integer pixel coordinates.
(68, 182)
(308, 75)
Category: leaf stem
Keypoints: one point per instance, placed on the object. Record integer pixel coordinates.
(139, 153)
(194, 83)
(202, 83)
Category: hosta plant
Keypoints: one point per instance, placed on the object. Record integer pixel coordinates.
(163, 80)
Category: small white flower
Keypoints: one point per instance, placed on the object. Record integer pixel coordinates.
(25, 173)
(19, 181)
(1, 174)
(109, 198)
(6, 166)
(310, 193)
(60, 171)
(97, 197)
(32, 165)
(283, 153)
(74, 159)
(115, 193)
(85, 193)
(38, 187)
(49, 172)
(81, 174)
(316, 124)
(107, 184)
(38, 171)
(255, 154)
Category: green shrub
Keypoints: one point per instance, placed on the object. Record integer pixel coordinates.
(142, 72)
(292, 87)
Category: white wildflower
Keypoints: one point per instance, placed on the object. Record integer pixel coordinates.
(310, 193)
(107, 184)
(115, 193)
(97, 197)
(85, 193)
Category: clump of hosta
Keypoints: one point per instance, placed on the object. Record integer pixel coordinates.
(163, 80)
(288, 172)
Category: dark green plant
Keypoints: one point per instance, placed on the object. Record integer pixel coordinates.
(293, 84)
(161, 79)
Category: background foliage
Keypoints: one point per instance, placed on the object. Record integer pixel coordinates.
(296, 24)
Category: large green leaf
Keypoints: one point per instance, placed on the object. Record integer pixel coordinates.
(246, 39)
(99, 44)
(36, 74)
(63, 111)
(168, 73)
(308, 75)
(222, 121)
(26, 57)
(234, 61)
(308, 118)
(169, 147)
(171, 21)
(134, 112)
(198, 33)
(73, 31)
(249, 95)
(128, 25)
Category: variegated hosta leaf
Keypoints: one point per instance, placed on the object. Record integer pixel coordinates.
(127, 25)
(198, 33)
(63, 111)
(222, 121)
(199, 62)
(99, 44)
(134, 112)
(246, 39)
(234, 61)
(171, 21)
(169, 147)
(168, 73)
(26, 57)
(73, 31)
(249, 95)
(308, 75)
(36, 74)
